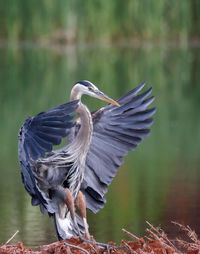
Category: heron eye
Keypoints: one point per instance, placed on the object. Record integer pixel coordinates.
(89, 88)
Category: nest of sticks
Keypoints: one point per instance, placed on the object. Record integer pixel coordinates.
(156, 241)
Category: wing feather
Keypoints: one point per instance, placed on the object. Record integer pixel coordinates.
(116, 130)
(37, 136)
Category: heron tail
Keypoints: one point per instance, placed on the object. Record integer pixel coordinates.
(65, 227)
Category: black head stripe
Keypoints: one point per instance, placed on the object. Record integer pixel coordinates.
(85, 83)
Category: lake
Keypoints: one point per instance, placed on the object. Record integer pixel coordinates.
(159, 182)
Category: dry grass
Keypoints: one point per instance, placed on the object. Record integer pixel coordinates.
(156, 242)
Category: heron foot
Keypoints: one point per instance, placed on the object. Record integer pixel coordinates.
(86, 229)
(107, 246)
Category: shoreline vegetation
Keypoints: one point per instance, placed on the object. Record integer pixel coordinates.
(99, 21)
(156, 241)
(61, 44)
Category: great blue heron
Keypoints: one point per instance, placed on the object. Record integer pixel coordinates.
(80, 173)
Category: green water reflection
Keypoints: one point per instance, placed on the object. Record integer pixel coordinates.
(159, 182)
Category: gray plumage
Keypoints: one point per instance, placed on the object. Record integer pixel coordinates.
(96, 146)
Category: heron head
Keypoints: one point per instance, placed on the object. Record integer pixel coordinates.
(86, 87)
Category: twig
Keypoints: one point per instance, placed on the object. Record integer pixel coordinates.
(104, 245)
(12, 237)
(127, 246)
(76, 247)
(130, 234)
(148, 238)
(163, 245)
(163, 236)
(190, 233)
(91, 246)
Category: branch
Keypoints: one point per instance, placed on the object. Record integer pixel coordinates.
(10, 239)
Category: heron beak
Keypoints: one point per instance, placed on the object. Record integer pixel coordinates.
(104, 97)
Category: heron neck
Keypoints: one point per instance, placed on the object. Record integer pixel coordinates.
(79, 147)
(85, 133)
(75, 93)
(84, 136)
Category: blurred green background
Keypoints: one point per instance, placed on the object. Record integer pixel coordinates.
(46, 46)
(100, 20)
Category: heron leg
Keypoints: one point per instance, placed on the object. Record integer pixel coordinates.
(70, 204)
(81, 205)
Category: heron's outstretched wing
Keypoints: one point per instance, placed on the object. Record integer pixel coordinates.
(117, 130)
(37, 136)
